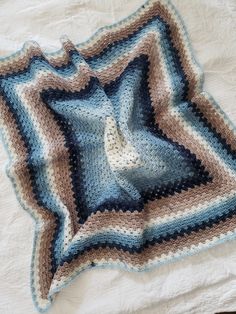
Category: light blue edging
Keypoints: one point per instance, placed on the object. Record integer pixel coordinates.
(35, 219)
(124, 267)
(195, 60)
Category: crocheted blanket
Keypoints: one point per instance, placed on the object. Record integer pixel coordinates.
(116, 151)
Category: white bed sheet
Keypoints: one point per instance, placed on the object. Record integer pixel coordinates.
(202, 284)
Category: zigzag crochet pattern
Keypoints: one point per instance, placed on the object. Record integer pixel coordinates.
(116, 151)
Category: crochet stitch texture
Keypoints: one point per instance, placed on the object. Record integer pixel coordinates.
(116, 151)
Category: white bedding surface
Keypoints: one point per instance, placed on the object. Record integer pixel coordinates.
(201, 284)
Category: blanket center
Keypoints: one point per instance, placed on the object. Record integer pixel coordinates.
(121, 154)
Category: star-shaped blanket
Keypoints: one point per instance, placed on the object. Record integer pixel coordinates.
(116, 151)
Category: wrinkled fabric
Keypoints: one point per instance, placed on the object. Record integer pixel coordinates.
(198, 284)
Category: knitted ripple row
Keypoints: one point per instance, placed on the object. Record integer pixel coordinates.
(116, 151)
